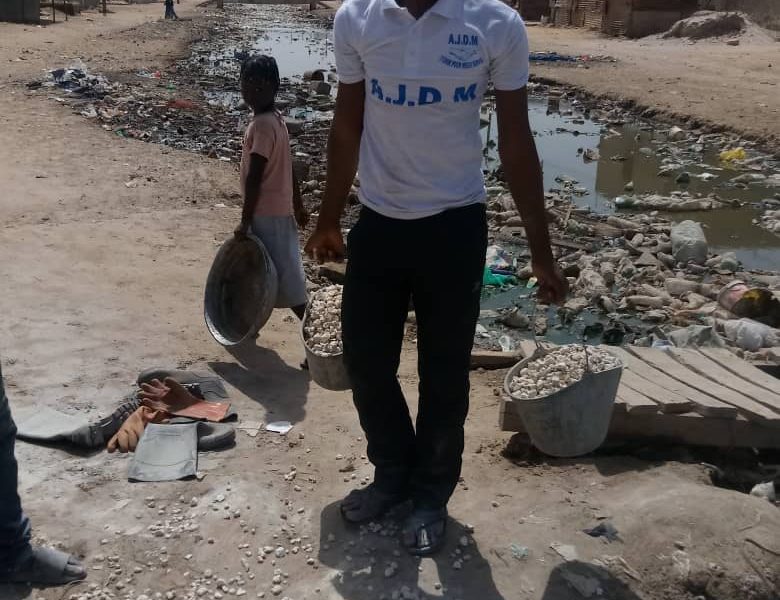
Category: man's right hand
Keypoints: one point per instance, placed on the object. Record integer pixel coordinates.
(326, 245)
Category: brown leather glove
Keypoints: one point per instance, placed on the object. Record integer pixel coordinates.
(172, 397)
(126, 439)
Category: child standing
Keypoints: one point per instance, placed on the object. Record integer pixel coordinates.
(272, 200)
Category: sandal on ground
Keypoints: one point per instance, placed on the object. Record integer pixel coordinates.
(46, 566)
(367, 504)
(423, 532)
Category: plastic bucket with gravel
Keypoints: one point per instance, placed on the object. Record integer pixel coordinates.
(569, 411)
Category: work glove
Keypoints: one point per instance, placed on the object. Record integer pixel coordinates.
(168, 395)
(172, 397)
(126, 439)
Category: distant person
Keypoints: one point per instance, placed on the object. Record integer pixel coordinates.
(412, 77)
(555, 9)
(21, 562)
(272, 199)
(169, 12)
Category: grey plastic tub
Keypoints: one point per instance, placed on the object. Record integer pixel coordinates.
(241, 290)
(328, 372)
(573, 421)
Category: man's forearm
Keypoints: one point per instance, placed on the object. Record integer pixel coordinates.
(524, 174)
(343, 150)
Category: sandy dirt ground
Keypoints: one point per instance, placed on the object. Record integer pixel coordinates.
(102, 280)
(735, 87)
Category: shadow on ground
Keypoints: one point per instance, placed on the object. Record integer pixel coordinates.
(582, 580)
(731, 468)
(609, 460)
(14, 592)
(262, 375)
(371, 563)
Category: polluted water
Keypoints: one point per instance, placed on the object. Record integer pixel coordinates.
(640, 157)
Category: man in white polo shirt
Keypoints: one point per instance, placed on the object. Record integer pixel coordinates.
(412, 77)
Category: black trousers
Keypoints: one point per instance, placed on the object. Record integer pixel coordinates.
(14, 525)
(437, 263)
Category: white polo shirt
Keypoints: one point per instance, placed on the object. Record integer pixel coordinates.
(421, 151)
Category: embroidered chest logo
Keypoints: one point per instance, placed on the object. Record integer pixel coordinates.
(462, 51)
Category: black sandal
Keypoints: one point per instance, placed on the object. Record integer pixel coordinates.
(424, 531)
(368, 504)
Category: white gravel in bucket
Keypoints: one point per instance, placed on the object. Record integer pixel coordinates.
(559, 369)
(322, 329)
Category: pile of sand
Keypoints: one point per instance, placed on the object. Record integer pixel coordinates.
(712, 24)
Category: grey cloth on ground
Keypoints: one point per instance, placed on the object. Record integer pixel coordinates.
(165, 453)
(280, 237)
(44, 424)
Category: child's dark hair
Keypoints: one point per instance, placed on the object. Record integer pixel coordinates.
(261, 68)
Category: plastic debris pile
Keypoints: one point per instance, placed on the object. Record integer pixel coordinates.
(76, 80)
(554, 57)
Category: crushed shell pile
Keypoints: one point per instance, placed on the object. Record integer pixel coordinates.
(559, 369)
(322, 329)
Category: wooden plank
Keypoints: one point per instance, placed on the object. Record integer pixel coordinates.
(687, 428)
(668, 401)
(704, 404)
(736, 365)
(714, 370)
(490, 359)
(665, 362)
(636, 403)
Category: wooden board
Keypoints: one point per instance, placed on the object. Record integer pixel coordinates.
(704, 404)
(686, 428)
(668, 401)
(665, 362)
(635, 402)
(712, 369)
(490, 359)
(736, 365)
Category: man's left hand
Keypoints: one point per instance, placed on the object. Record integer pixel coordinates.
(553, 286)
